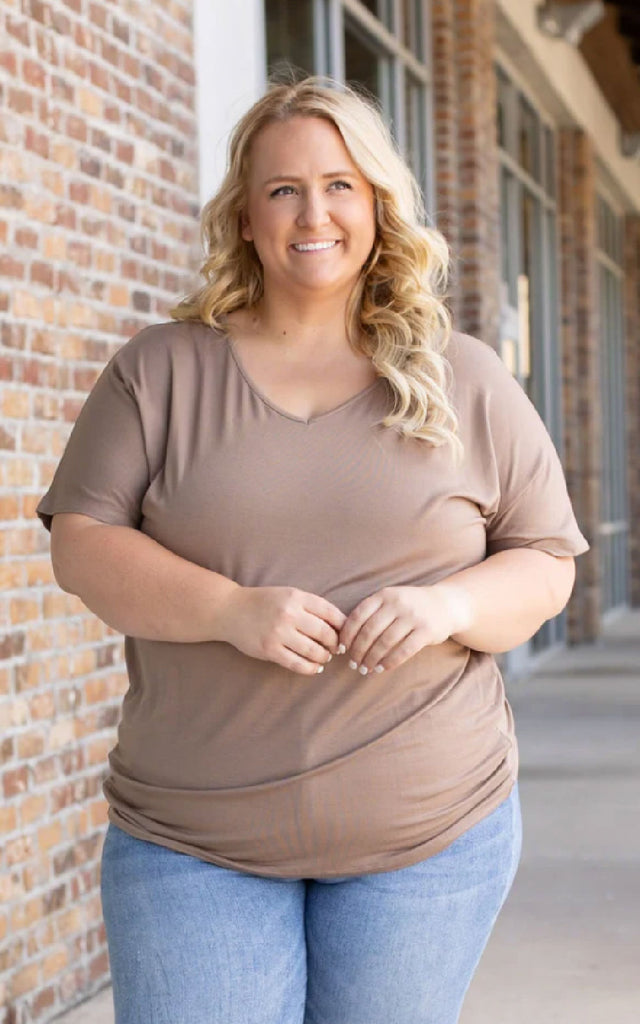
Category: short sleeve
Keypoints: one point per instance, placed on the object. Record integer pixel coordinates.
(533, 509)
(104, 470)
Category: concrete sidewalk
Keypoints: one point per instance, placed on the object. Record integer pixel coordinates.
(566, 949)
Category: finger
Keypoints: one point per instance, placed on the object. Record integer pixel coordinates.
(295, 662)
(306, 648)
(323, 609)
(358, 617)
(406, 649)
(370, 633)
(319, 630)
(385, 643)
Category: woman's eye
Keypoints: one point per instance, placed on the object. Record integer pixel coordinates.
(282, 190)
(340, 185)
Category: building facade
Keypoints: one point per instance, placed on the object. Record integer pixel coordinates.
(521, 120)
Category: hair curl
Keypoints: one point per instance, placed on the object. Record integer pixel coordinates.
(396, 313)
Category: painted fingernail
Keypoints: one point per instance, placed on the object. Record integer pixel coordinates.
(379, 668)
(341, 649)
(353, 664)
(363, 670)
(329, 658)
(320, 669)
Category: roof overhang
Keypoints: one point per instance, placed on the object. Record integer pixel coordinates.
(608, 37)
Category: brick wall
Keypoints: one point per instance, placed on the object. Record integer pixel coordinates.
(445, 141)
(476, 188)
(466, 159)
(580, 365)
(98, 172)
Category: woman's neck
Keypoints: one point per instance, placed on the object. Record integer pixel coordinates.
(300, 324)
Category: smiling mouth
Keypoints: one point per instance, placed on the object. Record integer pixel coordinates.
(314, 246)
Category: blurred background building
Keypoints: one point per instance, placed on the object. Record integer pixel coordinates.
(521, 120)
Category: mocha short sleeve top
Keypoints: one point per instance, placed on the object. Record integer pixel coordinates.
(246, 764)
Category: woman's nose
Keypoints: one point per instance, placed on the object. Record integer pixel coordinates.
(313, 210)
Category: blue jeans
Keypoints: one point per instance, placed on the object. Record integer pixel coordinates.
(194, 943)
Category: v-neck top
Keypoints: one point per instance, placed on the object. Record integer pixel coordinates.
(283, 412)
(246, 764)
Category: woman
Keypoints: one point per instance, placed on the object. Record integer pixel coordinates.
(308, 473)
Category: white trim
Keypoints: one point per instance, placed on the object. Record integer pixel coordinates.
(230, 60)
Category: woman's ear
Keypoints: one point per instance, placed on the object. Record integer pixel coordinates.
(245, 227)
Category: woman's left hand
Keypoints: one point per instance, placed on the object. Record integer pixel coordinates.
(390, 626)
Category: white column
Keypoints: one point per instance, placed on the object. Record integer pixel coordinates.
(230, 56)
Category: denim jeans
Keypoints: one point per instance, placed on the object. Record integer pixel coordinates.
(194, 943)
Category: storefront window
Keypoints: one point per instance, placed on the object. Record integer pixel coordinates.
(365, 64)
(413, 27)
(614, 522)
(383, 10)
(529, 304)
(529, 139)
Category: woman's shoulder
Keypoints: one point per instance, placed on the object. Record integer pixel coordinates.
(156, 349)
(474, 363)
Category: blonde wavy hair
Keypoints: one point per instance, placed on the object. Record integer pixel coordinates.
(396, 313)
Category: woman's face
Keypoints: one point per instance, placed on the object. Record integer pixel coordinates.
(310, 212)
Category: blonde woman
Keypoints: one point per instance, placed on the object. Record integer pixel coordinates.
(316, 513)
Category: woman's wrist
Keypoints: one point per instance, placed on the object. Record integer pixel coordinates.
(458, 604)
(225, 594)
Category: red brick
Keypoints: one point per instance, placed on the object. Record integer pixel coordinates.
(37, 142)
(9, 61)
(25, 980)
(18, 850)
(15, 781)
(44, 1000)
(19, 29)
(42, 273)
(33, 73)
(30, 744)
(12, 645)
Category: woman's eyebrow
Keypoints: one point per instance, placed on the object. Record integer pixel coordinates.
(292, 177)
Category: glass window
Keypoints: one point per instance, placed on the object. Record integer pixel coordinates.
(383, 9)
(412, 27)
(550, 161)
(503, 91)
(529, 291)
(609, 231)
(528, 139)
(529, 313)
(509, 274)
(366, 65)
(415, 125)
(289, 31)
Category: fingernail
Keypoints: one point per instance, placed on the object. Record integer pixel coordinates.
(341, 649)
(329, 658)
(320, 669)
(363, 670)
(379, 668)
(353, 664)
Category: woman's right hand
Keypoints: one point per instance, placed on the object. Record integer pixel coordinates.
(285, 625)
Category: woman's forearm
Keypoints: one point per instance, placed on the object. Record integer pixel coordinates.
(136, 585)
(504, 600)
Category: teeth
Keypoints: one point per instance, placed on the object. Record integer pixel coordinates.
(313, 246)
